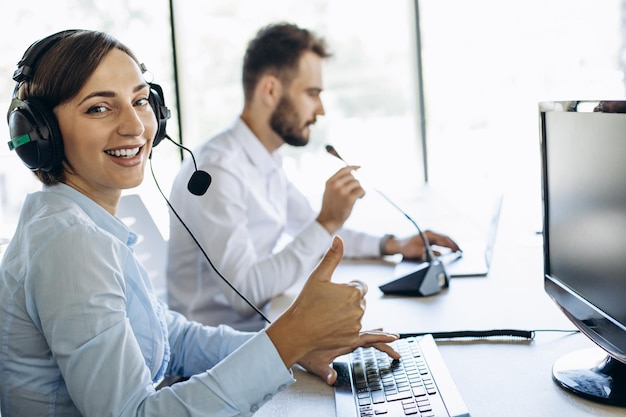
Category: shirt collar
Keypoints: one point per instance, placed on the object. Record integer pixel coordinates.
(95, 212)
(265, 161)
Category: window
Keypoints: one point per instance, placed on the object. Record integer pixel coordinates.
(486, 64)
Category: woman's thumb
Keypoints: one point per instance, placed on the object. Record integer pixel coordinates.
(329, 262)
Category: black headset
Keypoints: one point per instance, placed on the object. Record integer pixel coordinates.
(33, 127)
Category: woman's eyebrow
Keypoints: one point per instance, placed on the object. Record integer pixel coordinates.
(107, 93)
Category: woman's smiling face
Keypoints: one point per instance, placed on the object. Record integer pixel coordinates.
(108, 129)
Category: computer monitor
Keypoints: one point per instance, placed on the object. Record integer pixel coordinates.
(583, 152)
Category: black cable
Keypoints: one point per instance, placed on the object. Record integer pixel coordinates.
(206, 256)
(476, 334)
(485, 334)
(181, 146)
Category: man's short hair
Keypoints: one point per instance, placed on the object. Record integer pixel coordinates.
(276, 49)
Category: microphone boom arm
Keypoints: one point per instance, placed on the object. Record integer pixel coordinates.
(424, 279)
(430, 256)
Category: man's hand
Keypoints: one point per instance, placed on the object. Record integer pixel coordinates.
(413, 247)
(341, 192)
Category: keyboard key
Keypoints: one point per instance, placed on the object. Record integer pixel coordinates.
(399, 396)
(378, 397)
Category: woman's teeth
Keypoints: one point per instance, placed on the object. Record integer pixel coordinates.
(124, 153)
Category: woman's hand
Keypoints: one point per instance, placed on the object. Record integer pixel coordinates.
(325, 316)
(319, 362)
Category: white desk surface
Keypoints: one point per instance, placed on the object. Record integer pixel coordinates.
(495, 378)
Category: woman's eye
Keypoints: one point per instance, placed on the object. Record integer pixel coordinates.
(142, 102)
(97, 109)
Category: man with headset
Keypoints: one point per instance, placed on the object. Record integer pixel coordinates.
(251, 204)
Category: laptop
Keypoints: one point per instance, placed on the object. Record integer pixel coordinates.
(418, 278)
(370, 383)
(475, 258)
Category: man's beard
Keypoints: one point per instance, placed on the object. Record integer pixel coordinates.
(285, 121)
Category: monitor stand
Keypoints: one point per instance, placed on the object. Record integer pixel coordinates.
(592, 374)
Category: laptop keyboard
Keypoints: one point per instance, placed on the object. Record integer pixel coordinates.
(379, 380)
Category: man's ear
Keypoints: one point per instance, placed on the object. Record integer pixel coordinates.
(270, 89)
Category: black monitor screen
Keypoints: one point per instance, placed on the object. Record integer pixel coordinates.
(584, 202)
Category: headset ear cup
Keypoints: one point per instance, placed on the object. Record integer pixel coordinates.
(161, 112)
(44, 150)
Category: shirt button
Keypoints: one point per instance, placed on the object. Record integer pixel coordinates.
(282, 387)
(267, 397)
(254, 408)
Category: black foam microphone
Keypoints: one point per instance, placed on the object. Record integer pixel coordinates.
(200, 180)
(424, 278)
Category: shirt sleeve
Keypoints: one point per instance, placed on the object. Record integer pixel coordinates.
(196, 347)
(360, 244)
(356, 244)
(80, 307)
(238, 385)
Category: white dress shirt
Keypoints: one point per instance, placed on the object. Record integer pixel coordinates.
(249, 208)
(83, 334)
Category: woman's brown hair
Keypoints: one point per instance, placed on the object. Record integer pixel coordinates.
(60, 73)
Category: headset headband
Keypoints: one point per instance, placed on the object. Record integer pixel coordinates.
(25, 66)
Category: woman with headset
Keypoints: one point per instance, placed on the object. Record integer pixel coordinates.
(82, 332)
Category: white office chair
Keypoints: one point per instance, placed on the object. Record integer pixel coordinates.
(151, 247)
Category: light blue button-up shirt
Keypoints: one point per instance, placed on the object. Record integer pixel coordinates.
(82, 333)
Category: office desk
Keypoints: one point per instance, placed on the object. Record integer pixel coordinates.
(495, 378)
